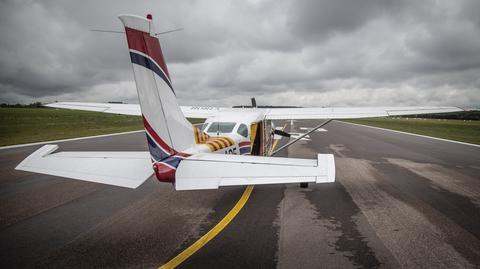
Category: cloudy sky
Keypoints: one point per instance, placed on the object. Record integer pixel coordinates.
(308, 53)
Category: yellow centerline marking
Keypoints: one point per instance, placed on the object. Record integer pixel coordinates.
(217, 229)
(212, 233)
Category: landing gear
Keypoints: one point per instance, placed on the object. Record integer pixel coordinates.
(304, 185)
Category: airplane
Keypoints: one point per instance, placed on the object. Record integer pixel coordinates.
(233, 146)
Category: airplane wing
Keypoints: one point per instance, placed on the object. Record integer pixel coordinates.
(125, 169)
(201, 112)
(123, 109)
(210, 171)
(351, 112)
(270, 113)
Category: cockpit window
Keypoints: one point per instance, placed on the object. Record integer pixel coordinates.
(221, 127)
(243, 130)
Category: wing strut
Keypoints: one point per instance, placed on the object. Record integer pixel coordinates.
(300, 137)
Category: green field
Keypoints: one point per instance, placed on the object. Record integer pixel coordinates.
(459, 130)
(27, 125)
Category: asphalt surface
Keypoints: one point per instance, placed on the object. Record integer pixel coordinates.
(399, 201)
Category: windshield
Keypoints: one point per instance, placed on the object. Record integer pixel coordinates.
(243, 130)
(221, 127)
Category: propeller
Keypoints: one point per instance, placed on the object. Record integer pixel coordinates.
(281, 133)
(254, 102)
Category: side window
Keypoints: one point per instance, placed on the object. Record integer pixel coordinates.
(243, 130)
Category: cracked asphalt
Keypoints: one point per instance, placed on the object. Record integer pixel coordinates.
(399, 201)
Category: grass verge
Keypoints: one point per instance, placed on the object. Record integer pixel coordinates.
(458, 130)
(28, 125)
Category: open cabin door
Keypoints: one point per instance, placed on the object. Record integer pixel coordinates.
(268, 136)
(257, 139)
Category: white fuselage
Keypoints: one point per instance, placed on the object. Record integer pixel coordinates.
(231, 125)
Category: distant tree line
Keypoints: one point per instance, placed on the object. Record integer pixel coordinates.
(31, 105)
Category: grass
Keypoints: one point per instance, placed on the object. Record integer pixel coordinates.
(459, 130)
(27, 125)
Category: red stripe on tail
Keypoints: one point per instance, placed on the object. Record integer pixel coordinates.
(143, 42)
(157, 138)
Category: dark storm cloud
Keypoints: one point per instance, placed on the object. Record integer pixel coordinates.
(342, 52)
(314, 19)
(44, 52)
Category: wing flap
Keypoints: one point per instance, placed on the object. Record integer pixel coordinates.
(124, 169)
(210, 171)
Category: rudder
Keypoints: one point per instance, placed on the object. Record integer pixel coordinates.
(168, 131)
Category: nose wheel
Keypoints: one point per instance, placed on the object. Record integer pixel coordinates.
(304, 185)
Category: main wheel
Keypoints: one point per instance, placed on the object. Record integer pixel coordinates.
(304, 185)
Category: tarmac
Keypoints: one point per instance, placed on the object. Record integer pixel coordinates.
(398, 201)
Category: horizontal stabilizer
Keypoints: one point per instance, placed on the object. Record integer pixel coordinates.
(124, 169)
(210, 171)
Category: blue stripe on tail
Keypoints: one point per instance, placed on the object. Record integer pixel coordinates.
(155, 151)
(149, 64)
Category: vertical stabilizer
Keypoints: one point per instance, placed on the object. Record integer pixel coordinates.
(168, 131)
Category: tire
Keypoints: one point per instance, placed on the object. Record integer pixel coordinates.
(304, 185)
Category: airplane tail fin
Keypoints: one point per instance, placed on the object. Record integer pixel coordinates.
(168, 131)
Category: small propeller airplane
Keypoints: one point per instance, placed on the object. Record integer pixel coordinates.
(232, 147)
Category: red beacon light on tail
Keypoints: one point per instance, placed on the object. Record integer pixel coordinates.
(149, 16)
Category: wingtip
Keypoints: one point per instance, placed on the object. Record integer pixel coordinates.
(39, 153)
